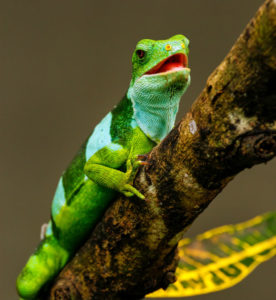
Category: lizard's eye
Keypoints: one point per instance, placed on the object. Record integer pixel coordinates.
(140, 53)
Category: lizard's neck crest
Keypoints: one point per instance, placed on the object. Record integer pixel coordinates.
(155, 103)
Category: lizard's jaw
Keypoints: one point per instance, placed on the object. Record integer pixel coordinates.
(173, 63)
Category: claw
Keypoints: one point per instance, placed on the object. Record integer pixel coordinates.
(142, 159)
(142, 156)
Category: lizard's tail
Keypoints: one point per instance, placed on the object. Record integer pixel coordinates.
(48, 259)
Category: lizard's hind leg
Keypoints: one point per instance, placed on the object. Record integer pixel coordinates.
(48, 259)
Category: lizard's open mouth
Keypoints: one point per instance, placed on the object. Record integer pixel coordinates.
(172, 63)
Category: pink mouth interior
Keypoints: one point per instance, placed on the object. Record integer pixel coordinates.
(173, 63)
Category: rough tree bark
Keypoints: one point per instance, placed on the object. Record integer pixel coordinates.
(230, 127)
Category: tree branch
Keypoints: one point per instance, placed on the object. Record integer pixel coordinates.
(230, 127)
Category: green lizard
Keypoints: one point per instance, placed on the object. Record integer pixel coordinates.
(108, 160)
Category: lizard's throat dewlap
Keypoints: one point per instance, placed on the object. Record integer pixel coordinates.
(155, 102)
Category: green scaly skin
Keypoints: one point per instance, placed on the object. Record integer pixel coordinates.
(107, 162)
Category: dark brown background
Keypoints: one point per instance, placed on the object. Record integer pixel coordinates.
(63, 65)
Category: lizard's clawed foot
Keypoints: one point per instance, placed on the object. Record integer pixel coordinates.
(132, 165)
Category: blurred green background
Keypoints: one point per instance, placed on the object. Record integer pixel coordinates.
(63, 66)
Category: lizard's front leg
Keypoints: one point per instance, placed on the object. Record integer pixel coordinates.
(102, 168)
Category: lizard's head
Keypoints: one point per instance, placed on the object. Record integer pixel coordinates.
(162, 60)
(160, 76)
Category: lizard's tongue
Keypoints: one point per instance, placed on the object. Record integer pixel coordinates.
(171, 66)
